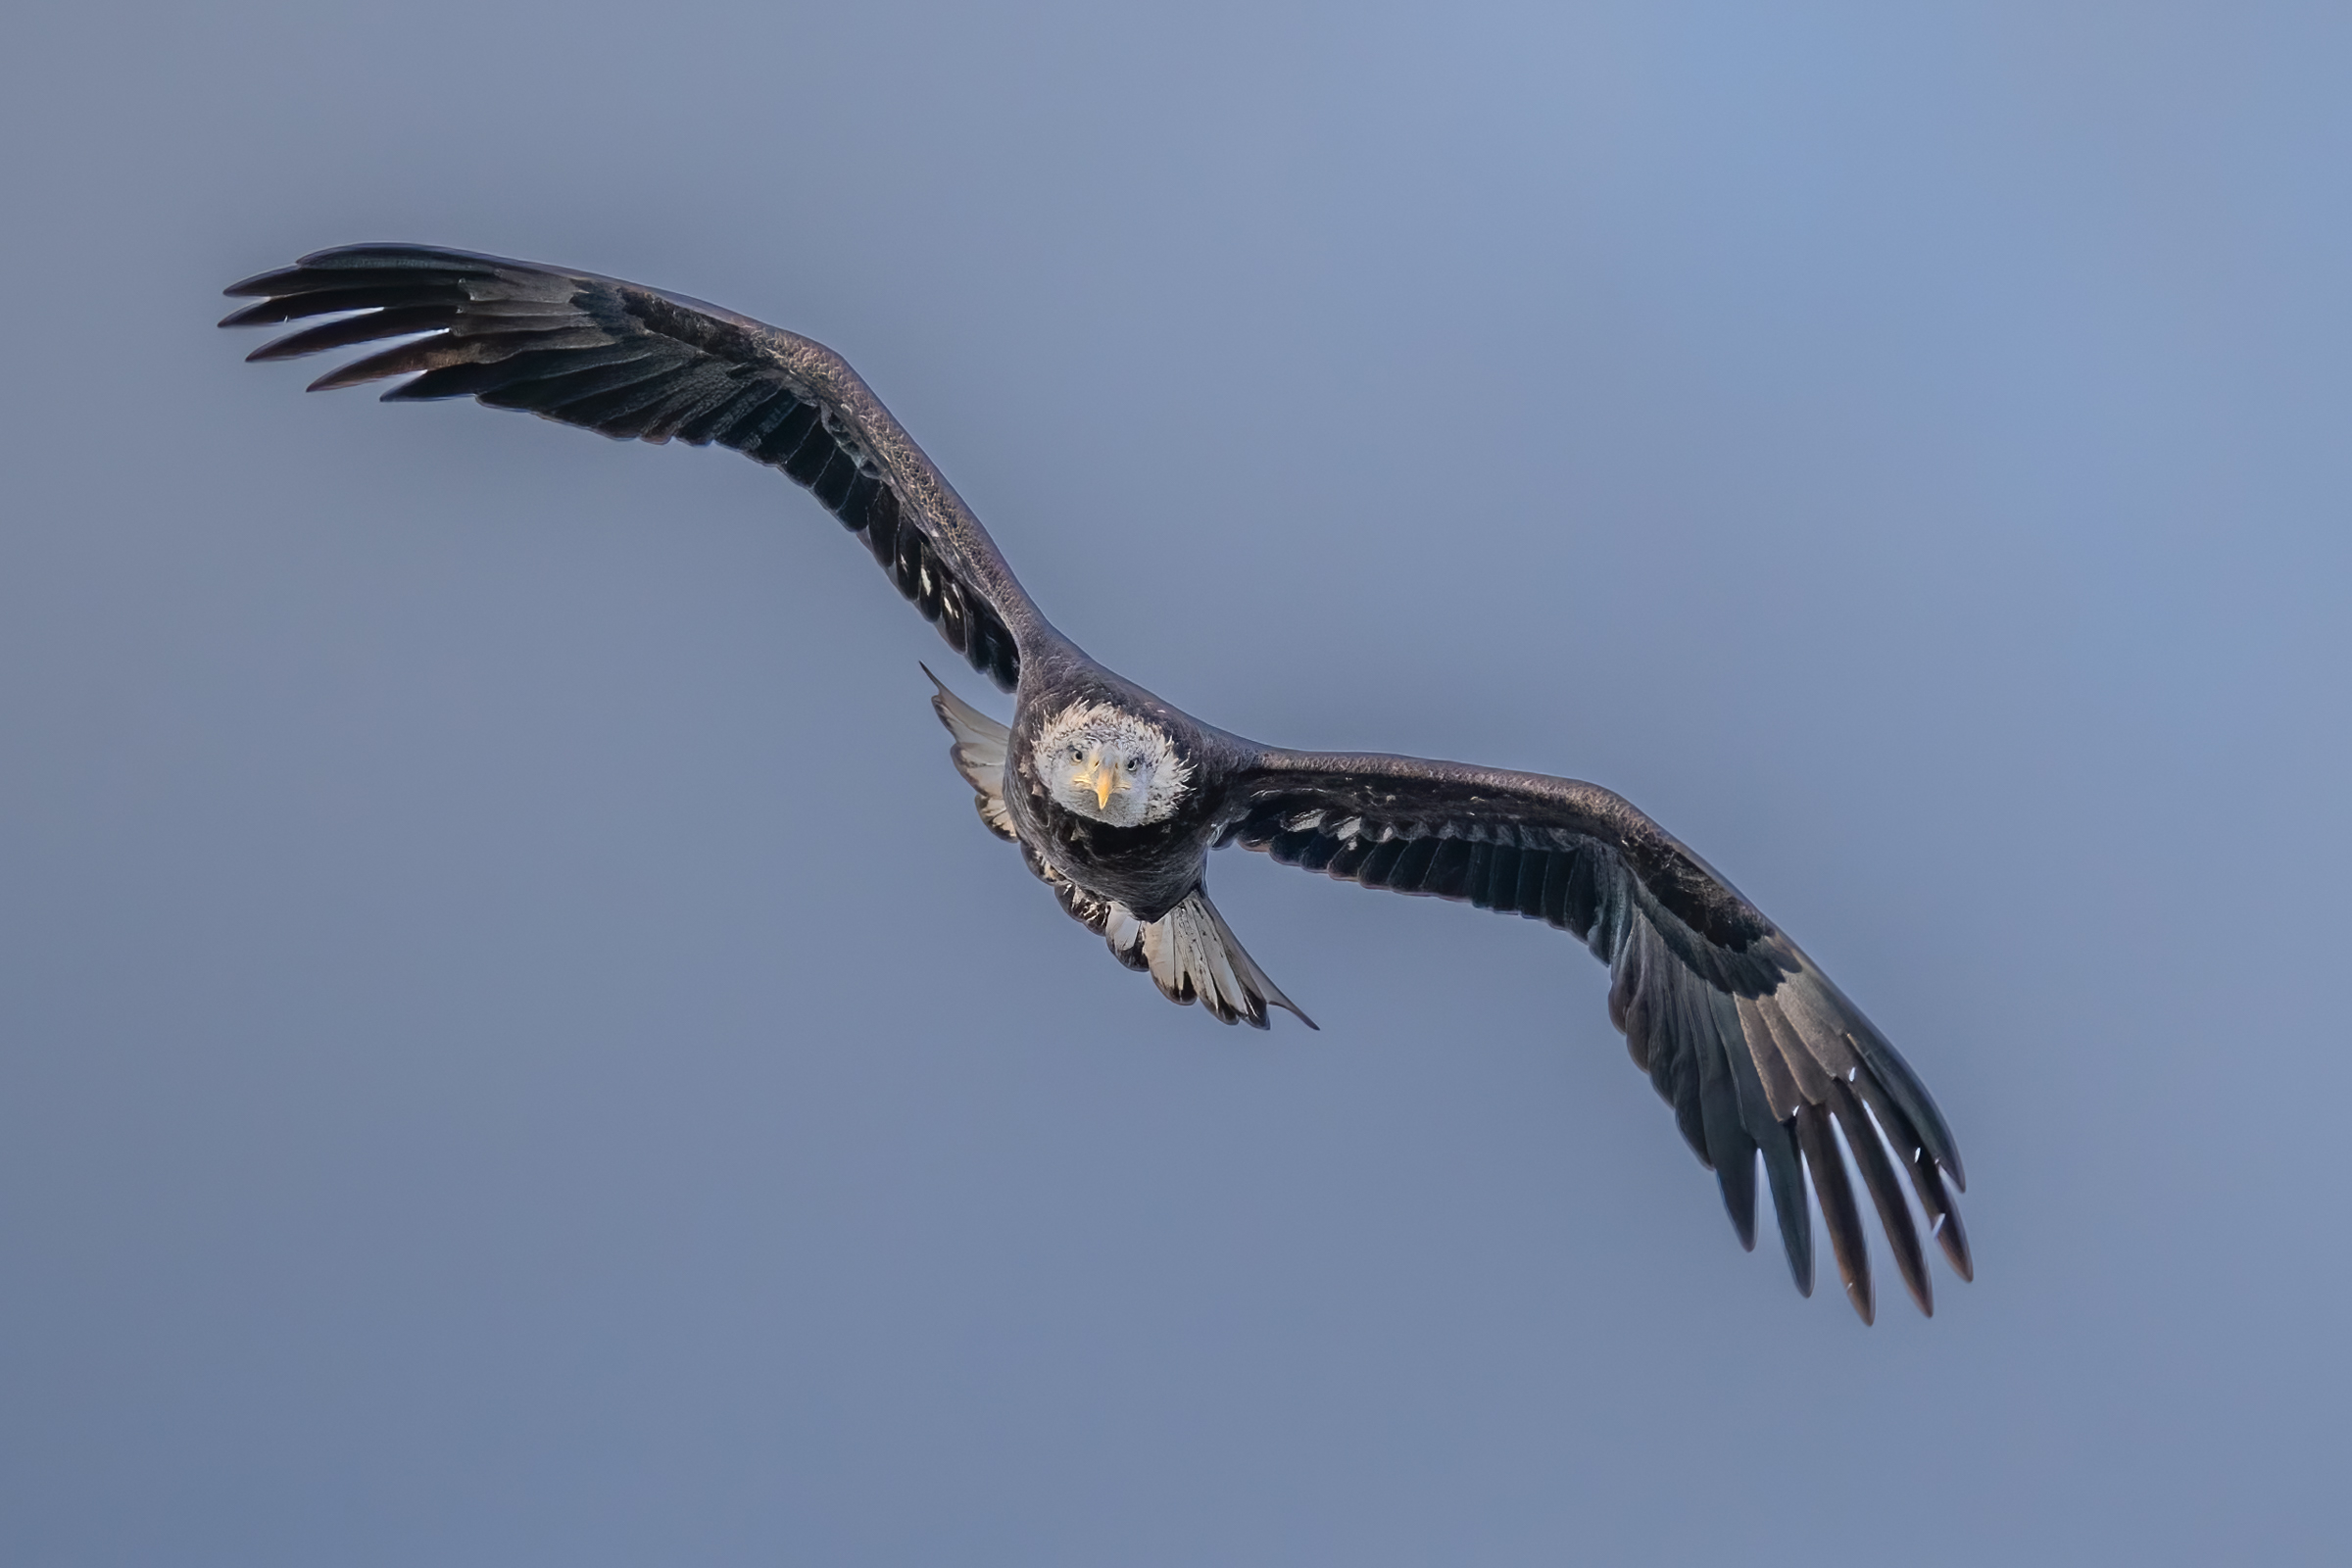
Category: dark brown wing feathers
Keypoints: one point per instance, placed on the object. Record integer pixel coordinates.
(1757, 1051)
(632, 363)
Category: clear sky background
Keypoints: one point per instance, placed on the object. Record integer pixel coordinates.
(515, 1047)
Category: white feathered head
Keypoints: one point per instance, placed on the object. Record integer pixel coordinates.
(1110, 766)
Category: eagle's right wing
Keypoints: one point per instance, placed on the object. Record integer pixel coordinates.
(632, 361)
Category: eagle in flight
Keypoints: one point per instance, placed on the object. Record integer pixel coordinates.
(1114, 798)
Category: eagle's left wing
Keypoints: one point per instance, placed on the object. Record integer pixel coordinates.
(1753, 1046)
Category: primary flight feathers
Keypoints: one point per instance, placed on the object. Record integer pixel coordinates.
(1116, 798)
(626, 361)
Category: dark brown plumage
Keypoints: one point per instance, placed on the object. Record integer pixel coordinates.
(1760, 1056)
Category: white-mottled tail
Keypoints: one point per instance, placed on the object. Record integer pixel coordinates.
(1193, 955)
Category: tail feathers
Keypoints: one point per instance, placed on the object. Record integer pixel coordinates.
(1192, 956)
(979, 752)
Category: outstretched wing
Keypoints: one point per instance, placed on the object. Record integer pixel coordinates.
(633, 361)
(1753, 1046)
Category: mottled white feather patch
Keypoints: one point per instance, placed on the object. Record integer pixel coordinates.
(1086, 727)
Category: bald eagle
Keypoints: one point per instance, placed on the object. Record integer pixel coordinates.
(1114, 798)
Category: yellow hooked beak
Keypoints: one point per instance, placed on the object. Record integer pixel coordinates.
(1103, 780)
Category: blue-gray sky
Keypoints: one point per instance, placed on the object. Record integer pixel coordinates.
(515, 1047)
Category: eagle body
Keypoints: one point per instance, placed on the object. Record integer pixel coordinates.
(1150, 867)
(1117, 799)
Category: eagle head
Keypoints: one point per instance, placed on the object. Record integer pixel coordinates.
(1110, 766)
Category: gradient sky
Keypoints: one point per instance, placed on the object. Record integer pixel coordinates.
(515, 1049)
